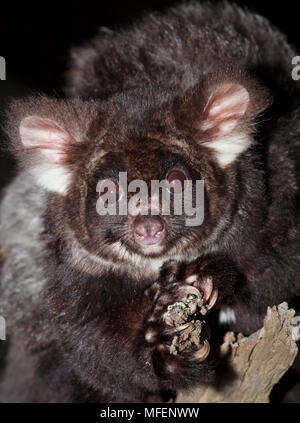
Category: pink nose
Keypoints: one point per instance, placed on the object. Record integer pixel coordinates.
(148, 230)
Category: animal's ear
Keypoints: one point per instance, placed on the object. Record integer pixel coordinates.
(225, 107)
(48, 137)
(221, 116)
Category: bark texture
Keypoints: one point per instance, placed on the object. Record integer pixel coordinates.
(259, 361)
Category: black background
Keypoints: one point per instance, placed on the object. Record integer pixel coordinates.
(35, 39)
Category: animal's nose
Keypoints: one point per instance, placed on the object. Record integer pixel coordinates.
(148, 230)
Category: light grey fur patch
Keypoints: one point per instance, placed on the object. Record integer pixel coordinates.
(227, 316)
(20, 228)
(228, 148)
(52, 177)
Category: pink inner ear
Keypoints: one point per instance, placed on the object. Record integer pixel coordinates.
(47, 136)
(225, 107)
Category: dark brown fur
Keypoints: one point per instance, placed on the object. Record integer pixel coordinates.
(143, 94)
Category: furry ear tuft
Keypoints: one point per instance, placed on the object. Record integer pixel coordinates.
(50, 136)
(47, 136)
(225, 107)
(220, 113)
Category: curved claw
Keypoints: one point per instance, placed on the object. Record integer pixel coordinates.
(206, 286)
(213, 298)
(182, 327)
(191, 279)
(203, 352)
(168, 320)
(190, 290)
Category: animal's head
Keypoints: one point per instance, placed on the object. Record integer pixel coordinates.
(93, 155)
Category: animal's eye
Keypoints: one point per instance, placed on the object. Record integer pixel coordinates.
(109, 191)
(176, 180)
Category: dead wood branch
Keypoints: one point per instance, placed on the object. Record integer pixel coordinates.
(259, 361)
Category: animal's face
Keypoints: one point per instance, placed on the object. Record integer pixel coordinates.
(127, 180)
(73, 148)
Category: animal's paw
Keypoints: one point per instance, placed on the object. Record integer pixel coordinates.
(205, 284)
(176, 328)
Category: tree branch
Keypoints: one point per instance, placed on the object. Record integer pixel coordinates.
(259, 361)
